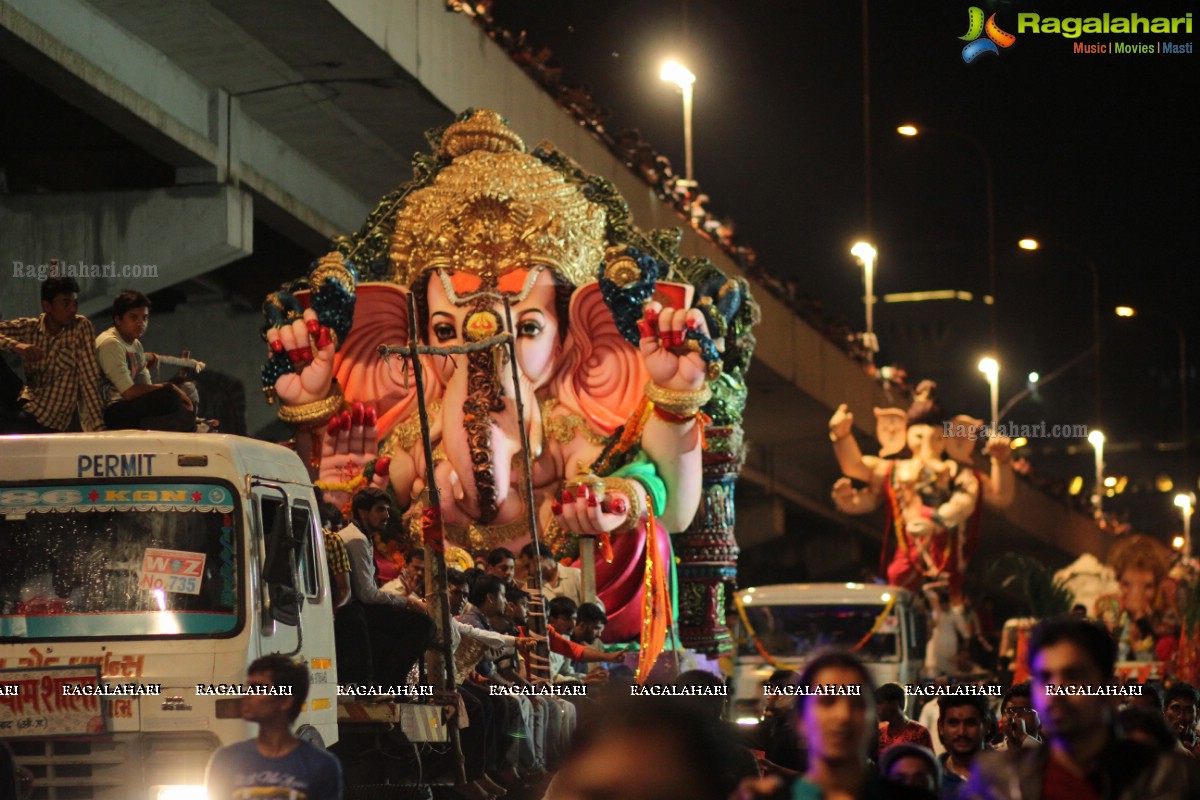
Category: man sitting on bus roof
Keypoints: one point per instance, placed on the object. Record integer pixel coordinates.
(62, 381)
(133, 401)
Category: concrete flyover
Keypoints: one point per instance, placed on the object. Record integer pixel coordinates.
(303, 114)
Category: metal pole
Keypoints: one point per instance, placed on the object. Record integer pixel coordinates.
(687, 131)
(436, 556)
(1187, 528)
(991, 235)
(994, 385)
(866, 98)
(538, 622)
(869, 274)
(1183, 409)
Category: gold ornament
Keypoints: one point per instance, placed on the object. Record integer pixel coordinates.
(459, 559)
(405, 435)
(633, 512)
(482, 325)
(682, 404)
(316, 413)
(620, 268)
(332, 265)
(495, 209)
(562, 429)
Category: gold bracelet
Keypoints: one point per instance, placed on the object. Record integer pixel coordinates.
(316, 413)
(683, 404)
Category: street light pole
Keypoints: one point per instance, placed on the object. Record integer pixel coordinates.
(990, 190)
(1186, 503)
(991, 369)
(866, 255)
(1096, 439)
(681, 76)
(687, 131)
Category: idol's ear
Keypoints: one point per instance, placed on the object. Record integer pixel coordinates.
(600, 376)
(380, 317)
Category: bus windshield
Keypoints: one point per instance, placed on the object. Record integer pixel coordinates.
(793, 631)
(118, 560)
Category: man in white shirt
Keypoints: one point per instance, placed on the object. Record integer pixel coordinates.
(132, 400)
(400, 627)
(557, 580)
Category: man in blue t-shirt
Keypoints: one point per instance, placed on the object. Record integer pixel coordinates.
(275, 764)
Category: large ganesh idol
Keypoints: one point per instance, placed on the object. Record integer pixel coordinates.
(621, 347)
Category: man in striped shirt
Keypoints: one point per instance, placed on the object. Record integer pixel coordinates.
(58, 350)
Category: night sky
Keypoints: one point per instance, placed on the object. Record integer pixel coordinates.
(1096, 153)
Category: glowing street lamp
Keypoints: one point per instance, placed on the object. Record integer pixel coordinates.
(1096, 440)
(866, 255)
(991, 370)
(1186, 504)
(681, 76)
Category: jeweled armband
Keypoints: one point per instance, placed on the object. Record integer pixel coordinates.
(684, 405)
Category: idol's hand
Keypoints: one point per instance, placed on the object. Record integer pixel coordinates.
(842, 422)
(673, 362)
(314, 373)
(349, 445)
(999, 448)
(582, 513)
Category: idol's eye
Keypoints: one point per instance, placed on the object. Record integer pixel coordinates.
(529, 328)
(444, 331)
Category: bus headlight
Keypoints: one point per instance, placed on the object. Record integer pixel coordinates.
(180, 793)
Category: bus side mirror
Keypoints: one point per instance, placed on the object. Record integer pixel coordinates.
(279, 571)
(285, 604)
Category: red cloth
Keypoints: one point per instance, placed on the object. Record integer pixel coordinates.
(621, 584)
(385, 569)
(564, 646)
(1059, 783)
(913, 732)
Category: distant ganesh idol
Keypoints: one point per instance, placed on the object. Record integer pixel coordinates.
(624, 353)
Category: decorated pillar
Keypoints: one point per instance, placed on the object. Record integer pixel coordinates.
(707, 551)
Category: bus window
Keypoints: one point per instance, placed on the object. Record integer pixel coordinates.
(303, 529)
(116, 559)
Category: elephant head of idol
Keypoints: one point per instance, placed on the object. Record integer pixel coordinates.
(500, 226)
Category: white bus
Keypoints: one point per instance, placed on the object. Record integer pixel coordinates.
(163, 562)
(792, 621)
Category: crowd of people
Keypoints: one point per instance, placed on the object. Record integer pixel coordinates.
(78, 381)
(812, 743)
(383, 628)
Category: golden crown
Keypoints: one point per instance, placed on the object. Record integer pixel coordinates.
(495, 208)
